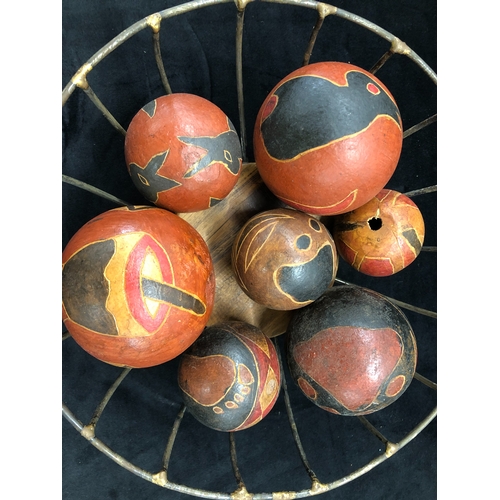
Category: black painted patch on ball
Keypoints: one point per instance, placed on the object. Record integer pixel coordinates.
(315, 224)
(150, 108)
(85, 289)
(308, 281)
(163, 292)
(411, 237)
(312, 111)
(303, 242)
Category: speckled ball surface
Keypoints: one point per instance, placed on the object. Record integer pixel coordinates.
(351, 352)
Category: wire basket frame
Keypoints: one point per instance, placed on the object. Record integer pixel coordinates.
(79, 81)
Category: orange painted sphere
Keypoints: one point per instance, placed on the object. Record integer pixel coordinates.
(138, 286)
(284, 259)
(230, 377)
(183, 153)
(327, 138)
(381, 237)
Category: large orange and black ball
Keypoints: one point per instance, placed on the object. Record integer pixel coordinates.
(138, 286)
(382, 237)
(327, 138)
(230, 377)
(352, 351)
(183, 153)
(284, 259)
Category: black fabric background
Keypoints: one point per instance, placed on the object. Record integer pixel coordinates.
(198, 50)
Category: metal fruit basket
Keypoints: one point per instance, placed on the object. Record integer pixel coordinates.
(110, 394)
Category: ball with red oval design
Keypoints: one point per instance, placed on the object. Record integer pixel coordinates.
(183, 152)
(352, 351)
(138, 286)
(230, 377)
(327, 138)
(284, 259)
(381, 237)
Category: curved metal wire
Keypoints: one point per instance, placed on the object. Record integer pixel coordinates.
(161, 479)
(79, 80)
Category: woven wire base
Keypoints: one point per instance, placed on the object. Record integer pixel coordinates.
(79, 82)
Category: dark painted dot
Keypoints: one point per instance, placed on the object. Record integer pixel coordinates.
(303, 242)
(214, 201)
(314, 224)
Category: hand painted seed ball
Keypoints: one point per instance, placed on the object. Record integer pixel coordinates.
(381, 237)
(183, 153)
(230, 377)
(138, 286)
(284, 259)
(352, 351)
(327, 138)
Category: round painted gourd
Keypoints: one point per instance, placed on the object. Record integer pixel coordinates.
(138, 286)
(327, 138)
(183, 153)
(230, 377)
(284, 259)
(381, 237)
(351, 352)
